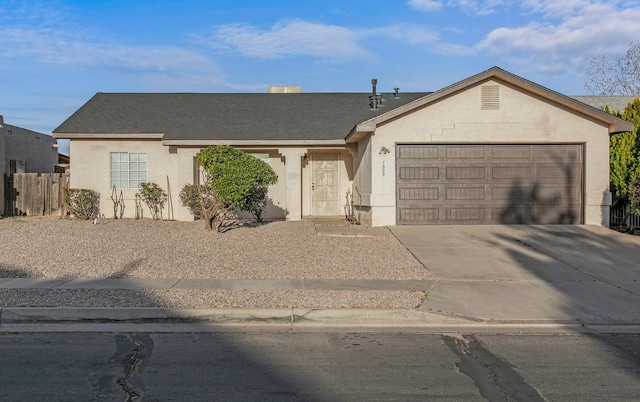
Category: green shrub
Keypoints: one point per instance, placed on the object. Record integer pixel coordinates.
(82, 203)
(192, 197)
(152, 195)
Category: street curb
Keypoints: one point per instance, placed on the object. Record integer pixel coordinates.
(27, 319)
(292, 316)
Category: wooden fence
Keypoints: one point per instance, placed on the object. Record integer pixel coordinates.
(35, 194)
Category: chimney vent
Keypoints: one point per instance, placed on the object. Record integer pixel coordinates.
(285, 89)
(395, 93)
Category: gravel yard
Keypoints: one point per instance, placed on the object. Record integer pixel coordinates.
(65, 248)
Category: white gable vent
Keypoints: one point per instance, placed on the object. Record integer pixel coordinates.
(490, 97)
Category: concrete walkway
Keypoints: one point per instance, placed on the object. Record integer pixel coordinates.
(225, 284)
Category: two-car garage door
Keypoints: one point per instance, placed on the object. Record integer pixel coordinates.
(489, 184)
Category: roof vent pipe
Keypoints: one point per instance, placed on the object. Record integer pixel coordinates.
(395, 93)
(375, 100)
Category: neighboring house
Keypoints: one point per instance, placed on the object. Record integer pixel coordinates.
(491, 149)
(27, 151)
(24, 151)
(2, 168)
(615, 103)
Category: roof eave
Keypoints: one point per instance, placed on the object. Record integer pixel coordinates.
(279, 143)
(615, 123)
(108, 136)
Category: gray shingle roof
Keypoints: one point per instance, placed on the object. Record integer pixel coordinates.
(599, 102)
(238, 116)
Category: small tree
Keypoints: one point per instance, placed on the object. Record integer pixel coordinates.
(152, 195)
(234, 180)
(615, 77)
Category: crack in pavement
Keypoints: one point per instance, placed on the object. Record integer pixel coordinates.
(495, 378)
(122, 375)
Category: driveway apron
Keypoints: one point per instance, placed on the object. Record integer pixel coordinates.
(554, 273)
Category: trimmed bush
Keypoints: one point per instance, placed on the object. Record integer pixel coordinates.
(82, 203)
(154, 196)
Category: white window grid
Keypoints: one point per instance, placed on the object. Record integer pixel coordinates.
(128, 169)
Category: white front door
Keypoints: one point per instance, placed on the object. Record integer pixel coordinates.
(325, 185)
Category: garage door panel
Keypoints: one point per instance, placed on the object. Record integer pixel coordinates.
(511, 152)
(515, 192)
(419, 173)
(419, 216)
(549, 194)
(418, 193)
(550, 215)
(465, 172)
(512, 215)
(475, 193)
(512, 172)
(558, 173)
(465, 215)
(555, 153)
(421, 152)
(464, 152)
(512, 184)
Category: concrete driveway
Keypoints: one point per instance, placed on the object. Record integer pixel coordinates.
(529, 273)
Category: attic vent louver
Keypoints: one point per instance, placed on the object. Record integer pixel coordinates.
(490, 97)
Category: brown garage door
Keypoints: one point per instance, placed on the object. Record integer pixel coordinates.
(489, 184)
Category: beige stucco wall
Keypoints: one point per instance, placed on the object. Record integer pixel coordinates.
(362, 181)
(91, 169)
(521, 118)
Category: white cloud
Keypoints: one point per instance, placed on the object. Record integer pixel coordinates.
(64, 48)
(583, 31)
(568, 36)
(426, 5)
(470, 7)
(162, 68)
(293, 38)
(302, 38)
(479, 7)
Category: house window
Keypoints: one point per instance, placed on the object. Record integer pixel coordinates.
(263, 157)
(128, 169)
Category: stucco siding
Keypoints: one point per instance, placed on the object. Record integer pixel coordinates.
(2, 165)
(91, 169)
(37, 150)
(520, 118)
(362, 181)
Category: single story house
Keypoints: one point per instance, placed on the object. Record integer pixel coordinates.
(492, 149)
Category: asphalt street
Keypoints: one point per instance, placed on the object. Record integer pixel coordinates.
(318, 366)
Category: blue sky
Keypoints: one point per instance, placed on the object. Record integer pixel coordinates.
(55, 54)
